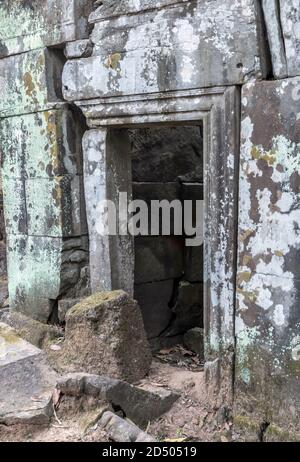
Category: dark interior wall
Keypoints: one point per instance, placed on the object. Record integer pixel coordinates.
(167, 163)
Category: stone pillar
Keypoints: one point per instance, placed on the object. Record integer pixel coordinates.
(107, 173)
(268, 288)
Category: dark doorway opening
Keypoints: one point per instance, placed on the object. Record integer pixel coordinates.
(167, 164)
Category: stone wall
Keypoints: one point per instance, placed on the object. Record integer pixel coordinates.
(40, 139)
(167, 164)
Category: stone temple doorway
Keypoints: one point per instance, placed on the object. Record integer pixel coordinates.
(167, 173)
(107, 150)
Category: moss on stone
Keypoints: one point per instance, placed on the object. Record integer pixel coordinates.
(94, 301)
(9, 335)
(276, 434)
(34, 332)
(245, 423)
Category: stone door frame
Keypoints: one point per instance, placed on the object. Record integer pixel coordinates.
(219, 111)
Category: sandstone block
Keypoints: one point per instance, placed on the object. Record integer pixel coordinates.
(282, 23)
(78, 49)
(26, 381)
(33, 24)
(105, 335)
(34, 332)
(122, 431)
(223, 46)
(158, 258)
(140, 404)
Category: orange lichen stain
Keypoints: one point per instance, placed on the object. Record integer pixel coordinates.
(246, 259)
(259, 154)
(113, 61)
(248, 296)
(245, 235)
(278, 253)
(51, 129)
(29, 85)
(9, 336)
(57, 191)
(41, 61)
(244, 276)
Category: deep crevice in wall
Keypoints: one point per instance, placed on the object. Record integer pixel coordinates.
(55, 61)
(264, 44)
(53, 318)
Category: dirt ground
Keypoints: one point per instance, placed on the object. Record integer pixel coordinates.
(190, 419)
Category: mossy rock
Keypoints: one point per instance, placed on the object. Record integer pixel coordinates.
(105, 335)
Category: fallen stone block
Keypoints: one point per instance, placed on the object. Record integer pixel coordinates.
(26, 381)
(34, 332)
(122, 431)
(91, 418)
(80, 383)
(139, 404)
(194, 341)
(105, 335)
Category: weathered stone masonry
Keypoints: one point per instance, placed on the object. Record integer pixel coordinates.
(235, 66)
(40, 149)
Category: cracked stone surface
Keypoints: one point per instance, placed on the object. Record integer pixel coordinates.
(26, 381)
